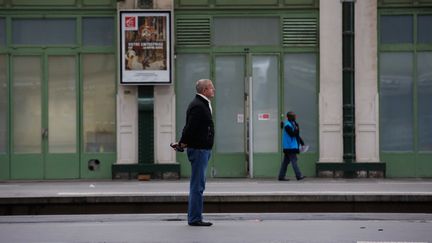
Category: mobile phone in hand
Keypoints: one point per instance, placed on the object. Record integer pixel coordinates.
(177, 147)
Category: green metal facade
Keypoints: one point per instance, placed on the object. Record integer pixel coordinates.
(415, 161)
(195, 34)
(45, 165)
(198, 17)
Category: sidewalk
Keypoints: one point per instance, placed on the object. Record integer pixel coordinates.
(227, 228)
(241, 195)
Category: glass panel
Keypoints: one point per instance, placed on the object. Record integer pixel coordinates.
(190, 68)
(99, 102)
(98, 31)
(396, 101)
(265, 103)
(424, 29)
(230, 104)
(4, 111)
(43, 31)
(246, 31)
(424, 67)
(62, 104)
(300, 94)
(396, 29)
(2, 32)
(27, 72)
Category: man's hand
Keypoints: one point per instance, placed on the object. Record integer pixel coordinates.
(178, 146)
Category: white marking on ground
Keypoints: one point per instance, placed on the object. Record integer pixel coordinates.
(390, 242)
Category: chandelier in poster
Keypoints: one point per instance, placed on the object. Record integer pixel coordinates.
(145, 44)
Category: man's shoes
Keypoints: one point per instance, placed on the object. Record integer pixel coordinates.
(283, 179)
(301, 178)
(200, 223)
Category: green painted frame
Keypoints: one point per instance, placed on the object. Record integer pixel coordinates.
(5, 157)
(415, 163)
(226, 164)
(55, 170)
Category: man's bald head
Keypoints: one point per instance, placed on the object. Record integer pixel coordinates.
(201, 85)
(205, 87)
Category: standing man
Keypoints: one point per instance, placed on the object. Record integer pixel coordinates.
(291, 142)
(198, 138)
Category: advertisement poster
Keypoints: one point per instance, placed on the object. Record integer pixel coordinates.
(145, 44)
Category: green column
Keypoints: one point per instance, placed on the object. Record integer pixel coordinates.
(145, 125)
(348, 82)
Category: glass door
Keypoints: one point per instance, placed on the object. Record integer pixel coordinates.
(246, 116)
(60, 132)
(44, 117)
(229, 152)
(265, 116)
(27, 156)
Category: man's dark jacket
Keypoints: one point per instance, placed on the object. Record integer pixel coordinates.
(198, 132)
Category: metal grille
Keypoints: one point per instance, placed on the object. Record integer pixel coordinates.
(300, 31)
(193, 32)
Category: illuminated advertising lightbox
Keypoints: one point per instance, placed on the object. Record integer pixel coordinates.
(145, 47)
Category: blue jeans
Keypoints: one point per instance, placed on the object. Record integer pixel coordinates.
(199, 160)
(289, 157)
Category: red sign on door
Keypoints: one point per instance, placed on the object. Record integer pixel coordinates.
(264, 116)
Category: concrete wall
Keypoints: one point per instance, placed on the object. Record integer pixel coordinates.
(330, 94)
(366, 78)
(164, 113)
(127, 125)
(163, 4)
(127, 112)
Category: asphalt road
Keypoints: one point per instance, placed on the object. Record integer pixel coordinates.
(294, 227)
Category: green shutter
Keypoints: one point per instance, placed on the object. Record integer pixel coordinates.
(300, 31)
(193, 32)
